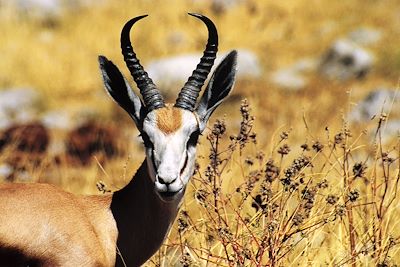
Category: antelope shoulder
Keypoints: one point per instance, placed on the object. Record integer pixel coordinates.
(47, 224)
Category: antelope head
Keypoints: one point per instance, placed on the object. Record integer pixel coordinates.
(170, 131)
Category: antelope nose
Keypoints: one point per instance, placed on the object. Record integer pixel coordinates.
(166, 180)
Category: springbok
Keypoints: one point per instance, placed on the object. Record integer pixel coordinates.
(41, 225)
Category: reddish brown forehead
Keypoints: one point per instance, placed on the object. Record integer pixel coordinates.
(169, 119)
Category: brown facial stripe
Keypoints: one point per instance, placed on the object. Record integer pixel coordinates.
(169, 119)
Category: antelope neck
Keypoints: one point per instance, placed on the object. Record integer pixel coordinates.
(136, 209)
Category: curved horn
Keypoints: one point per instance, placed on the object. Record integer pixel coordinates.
(151, 96)
(190, 91)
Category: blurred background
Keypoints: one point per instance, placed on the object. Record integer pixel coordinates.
(321, 73)
(303, 65)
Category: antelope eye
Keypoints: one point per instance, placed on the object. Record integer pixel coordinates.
(193, 138)
(146, 140)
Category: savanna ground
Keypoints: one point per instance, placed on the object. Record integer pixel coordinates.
(295, 185)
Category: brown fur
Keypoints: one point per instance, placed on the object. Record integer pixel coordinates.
(42, 225)
(169, 119)
(52, 227)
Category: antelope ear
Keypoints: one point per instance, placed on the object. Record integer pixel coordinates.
(218, 88)
(119, 89)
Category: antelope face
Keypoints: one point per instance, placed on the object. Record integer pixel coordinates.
(170, 136)
(170, 132)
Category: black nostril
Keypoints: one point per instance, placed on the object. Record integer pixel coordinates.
(165, 180)
(161, 180)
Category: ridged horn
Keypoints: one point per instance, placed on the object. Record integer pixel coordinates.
(188, 95)
(151, 95)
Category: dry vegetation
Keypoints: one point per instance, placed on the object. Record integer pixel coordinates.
(307, 190)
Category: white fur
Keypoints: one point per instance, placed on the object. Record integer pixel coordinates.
(169, 152)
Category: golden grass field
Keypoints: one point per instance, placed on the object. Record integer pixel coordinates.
(261, 200)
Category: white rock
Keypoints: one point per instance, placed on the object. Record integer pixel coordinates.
(380, 100)
(305, 65)
(47, 9)
(376, 102)
(68, 119)
(173, 72)
(345, 60)
(294, 77)
(38, 9)
(5, 121)
(288, 79)
(57, 119)
(18, 105)
(45, 6)
(391, 129)
(249, 66)
(15, 98)
(365, 36)
(5, 170)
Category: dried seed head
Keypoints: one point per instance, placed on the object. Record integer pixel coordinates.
(224, 232)
(253, 137)
(284, 149)
(291, 173)
(305, 147)
(332, 199)
(266, 192)
(245, 135)
(201, 195)
(347, 132)
(298, 219)
(353, 195)
(339, 138)
(274, 207)
(260, 156)
(386, 158)
(249, 161)
(302, 176)
(219, 128)
(359, 169)
(317, 146)
(210, 172)
(247, 253)
(272, 226)
(340, 210)
(102, 187)
(182, 222)
(271, 171)
(251, 180)
(245, 109)
(308, 194)
(186, 260)
(284, 135)
(210, 238)
(308, 197)
(196, 167)
(383, 117)
(323, 184)
(259, 203)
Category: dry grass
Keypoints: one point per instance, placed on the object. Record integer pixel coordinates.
(271, 202)
(327, 202)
